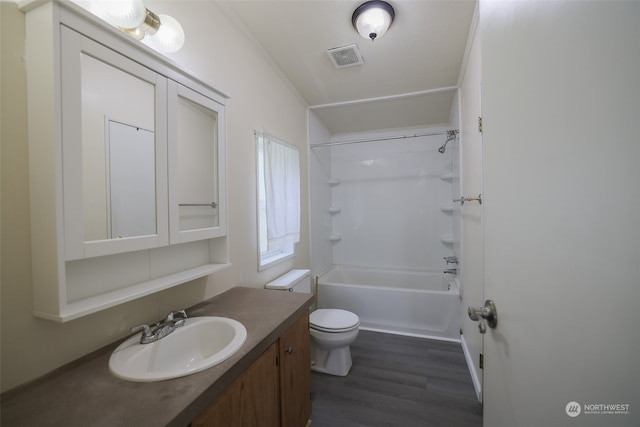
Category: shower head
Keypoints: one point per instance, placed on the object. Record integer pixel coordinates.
(451, 135)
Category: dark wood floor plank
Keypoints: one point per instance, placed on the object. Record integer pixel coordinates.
(386, 375)
(398, 381)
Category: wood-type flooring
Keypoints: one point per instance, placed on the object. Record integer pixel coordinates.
(398, 381)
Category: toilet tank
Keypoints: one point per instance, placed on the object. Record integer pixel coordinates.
(292, 281)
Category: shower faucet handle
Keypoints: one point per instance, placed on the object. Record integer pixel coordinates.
(451, 259)
(463, 199)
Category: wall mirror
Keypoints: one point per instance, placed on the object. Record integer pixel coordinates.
(195, 166)
(118, 152)
(114, 142)
(197, 170)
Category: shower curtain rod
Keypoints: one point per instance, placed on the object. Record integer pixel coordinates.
(451, 132)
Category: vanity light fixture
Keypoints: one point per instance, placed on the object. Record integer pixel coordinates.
(160, 32)
(372, 19)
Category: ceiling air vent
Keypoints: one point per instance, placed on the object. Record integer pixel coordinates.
(345, 56)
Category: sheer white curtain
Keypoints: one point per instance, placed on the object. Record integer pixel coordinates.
(282, 191)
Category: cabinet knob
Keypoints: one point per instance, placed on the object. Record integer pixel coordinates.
(288, 350)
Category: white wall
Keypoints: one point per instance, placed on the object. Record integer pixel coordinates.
(218, 52)
(390, 195)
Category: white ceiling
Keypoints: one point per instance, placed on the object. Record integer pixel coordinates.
(414, 67)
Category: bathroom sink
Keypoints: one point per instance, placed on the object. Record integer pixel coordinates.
(200, 344)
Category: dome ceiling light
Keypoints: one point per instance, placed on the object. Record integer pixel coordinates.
(372, 19)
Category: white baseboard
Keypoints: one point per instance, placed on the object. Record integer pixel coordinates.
(477, 383)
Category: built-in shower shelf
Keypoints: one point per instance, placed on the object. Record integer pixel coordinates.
(334, 237)
(447, 238)
(447, 208)
(333, 182)
(335, 209)
(448, 177)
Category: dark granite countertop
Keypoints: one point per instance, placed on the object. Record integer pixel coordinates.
(84, 393)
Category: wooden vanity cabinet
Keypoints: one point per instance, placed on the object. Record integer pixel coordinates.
(274, 391)
(252, 399)
(295, 374)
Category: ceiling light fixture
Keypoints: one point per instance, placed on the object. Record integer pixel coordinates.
(373, 18)
(160, 32)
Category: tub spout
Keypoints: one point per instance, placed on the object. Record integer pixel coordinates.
(451, 271)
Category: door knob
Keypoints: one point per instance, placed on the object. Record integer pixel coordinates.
(488, 313)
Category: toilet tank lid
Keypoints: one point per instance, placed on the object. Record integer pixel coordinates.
(287, 280)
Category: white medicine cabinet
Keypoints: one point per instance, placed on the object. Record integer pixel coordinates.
(195, 151)
(127, 156)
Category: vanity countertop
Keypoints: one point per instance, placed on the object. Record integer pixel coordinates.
(84, 393)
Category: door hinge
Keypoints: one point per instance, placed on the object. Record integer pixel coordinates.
(480, 124)
(481, 362)
(277, 361)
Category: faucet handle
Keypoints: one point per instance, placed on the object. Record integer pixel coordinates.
(171, 317)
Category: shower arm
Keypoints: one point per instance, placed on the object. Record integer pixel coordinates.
(451, 135)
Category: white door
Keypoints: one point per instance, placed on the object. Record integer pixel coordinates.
(561, 110)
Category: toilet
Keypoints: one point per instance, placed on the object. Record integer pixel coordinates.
(332, 330)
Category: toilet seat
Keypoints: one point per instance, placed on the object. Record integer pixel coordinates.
(333, 320)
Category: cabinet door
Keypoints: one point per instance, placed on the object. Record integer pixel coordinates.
(295, 374)
(113, 151)
(196, 165)
(251, 401)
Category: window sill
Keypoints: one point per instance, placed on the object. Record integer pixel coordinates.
(272, 260)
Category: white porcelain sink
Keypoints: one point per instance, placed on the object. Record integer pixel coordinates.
(200, 344)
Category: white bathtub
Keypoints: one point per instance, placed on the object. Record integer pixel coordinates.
(414, 303)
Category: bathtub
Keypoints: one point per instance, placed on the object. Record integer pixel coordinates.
(413, 303)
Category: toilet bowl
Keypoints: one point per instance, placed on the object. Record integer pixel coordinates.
(332, 330)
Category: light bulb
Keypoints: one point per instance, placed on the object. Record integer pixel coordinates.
(123, 13)
(169, 37)
(373, 23)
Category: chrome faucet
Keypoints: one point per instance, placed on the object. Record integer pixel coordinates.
(161, 329)
(451, 271)
(451, 259)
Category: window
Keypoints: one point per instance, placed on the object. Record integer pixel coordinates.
(278, 199)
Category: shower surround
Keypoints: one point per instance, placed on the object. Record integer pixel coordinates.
(386, 205)
(394, 207)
